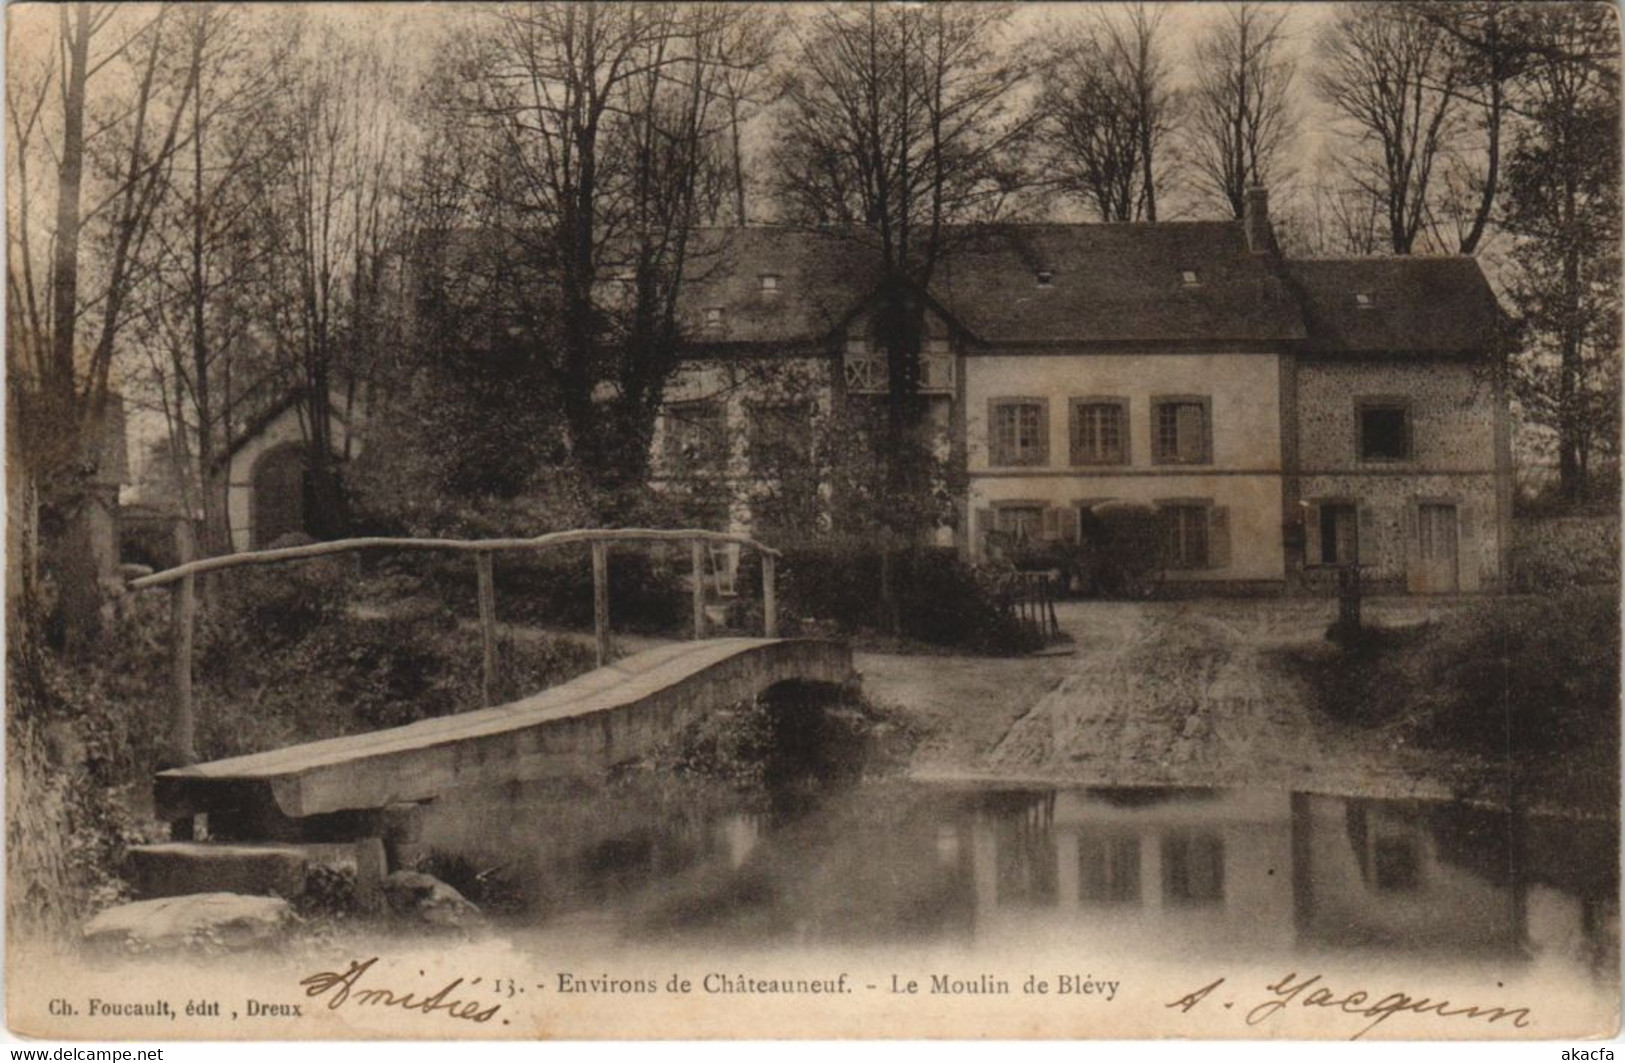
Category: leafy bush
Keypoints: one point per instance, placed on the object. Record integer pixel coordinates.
(793, 735)
(79, 745)
(1119, 555)
(941, 599)
(1507, 677)
(388, 655)
(1556, 553)
(1536, 675)
(553, 588)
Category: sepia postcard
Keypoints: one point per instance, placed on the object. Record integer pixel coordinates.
(856, 520)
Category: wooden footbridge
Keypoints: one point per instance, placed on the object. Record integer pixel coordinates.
(345, 788)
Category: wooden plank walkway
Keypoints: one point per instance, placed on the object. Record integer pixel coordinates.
(606, 716)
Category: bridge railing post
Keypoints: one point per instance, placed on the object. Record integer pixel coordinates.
(697, 564)
(770, 596)
(486, 586)
(182, 609)
(600, 598)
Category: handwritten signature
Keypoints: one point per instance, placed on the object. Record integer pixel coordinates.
(340, 988)
(1291, 990)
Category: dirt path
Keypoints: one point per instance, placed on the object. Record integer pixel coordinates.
(1181, 693)
(1193, 693)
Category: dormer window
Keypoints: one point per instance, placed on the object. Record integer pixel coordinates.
(770, 282)
(1046, 279)
(713, 317)
(1364, 301)
(1190, 278)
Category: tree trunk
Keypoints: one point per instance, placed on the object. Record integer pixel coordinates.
(81, 556)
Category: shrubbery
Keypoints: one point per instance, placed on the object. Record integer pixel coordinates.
(941, 599)
(309, 650)
(286, 653)
(1527, 675)
(1519, 678)
(1555, 553)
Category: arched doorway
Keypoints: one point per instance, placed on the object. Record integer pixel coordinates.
(281, 494)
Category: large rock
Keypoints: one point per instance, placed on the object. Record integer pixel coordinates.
(175, 869)
(426, 900)
(283, 869)
(223, 921)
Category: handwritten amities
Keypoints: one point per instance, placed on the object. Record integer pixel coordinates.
(1311, 992)
(341, 988)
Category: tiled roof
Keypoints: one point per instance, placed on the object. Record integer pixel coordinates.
(1119, 283)
(822, 279)
(1116, 283)
(1410, 304)
(1107, 283)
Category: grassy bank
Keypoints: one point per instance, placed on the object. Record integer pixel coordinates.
(285, 655)
(1529, 686)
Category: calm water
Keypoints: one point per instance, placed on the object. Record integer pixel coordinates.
(1152, 874)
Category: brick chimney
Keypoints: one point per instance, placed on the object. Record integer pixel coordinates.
(1255, 220)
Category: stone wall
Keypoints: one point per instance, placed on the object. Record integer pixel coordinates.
(1385, 530)
(1454, 430)
(1451, 403)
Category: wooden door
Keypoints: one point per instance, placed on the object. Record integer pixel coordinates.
(279, 494)
(1436, 548)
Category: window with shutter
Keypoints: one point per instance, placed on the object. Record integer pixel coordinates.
(1181, 430)
(1337, 534)
(1193, 867)
(1099, 431)
(1186, 534)
(1109, 868)
(1022, 523)
(1018, 432)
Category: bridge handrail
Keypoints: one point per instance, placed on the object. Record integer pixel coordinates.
(337, 546)
(181, 580)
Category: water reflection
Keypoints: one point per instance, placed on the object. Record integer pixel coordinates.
(1149, 872)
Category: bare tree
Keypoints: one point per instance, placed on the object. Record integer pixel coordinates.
(1109, 109)
(1091, 130)
(327, 206)
(1563, 210)
(1241, 116)
(601, 138)
(190, 320)
(1490, 44)
(747, 40)
(107, 158)
(1389, 75)
(897, 123)
(1331, 217)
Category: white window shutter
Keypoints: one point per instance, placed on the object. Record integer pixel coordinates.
(1069, 524)
(1052, 524)
(1191, 433)
(1311, 534)
(1467, 549)
(1415, 578)
(1218, 537)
